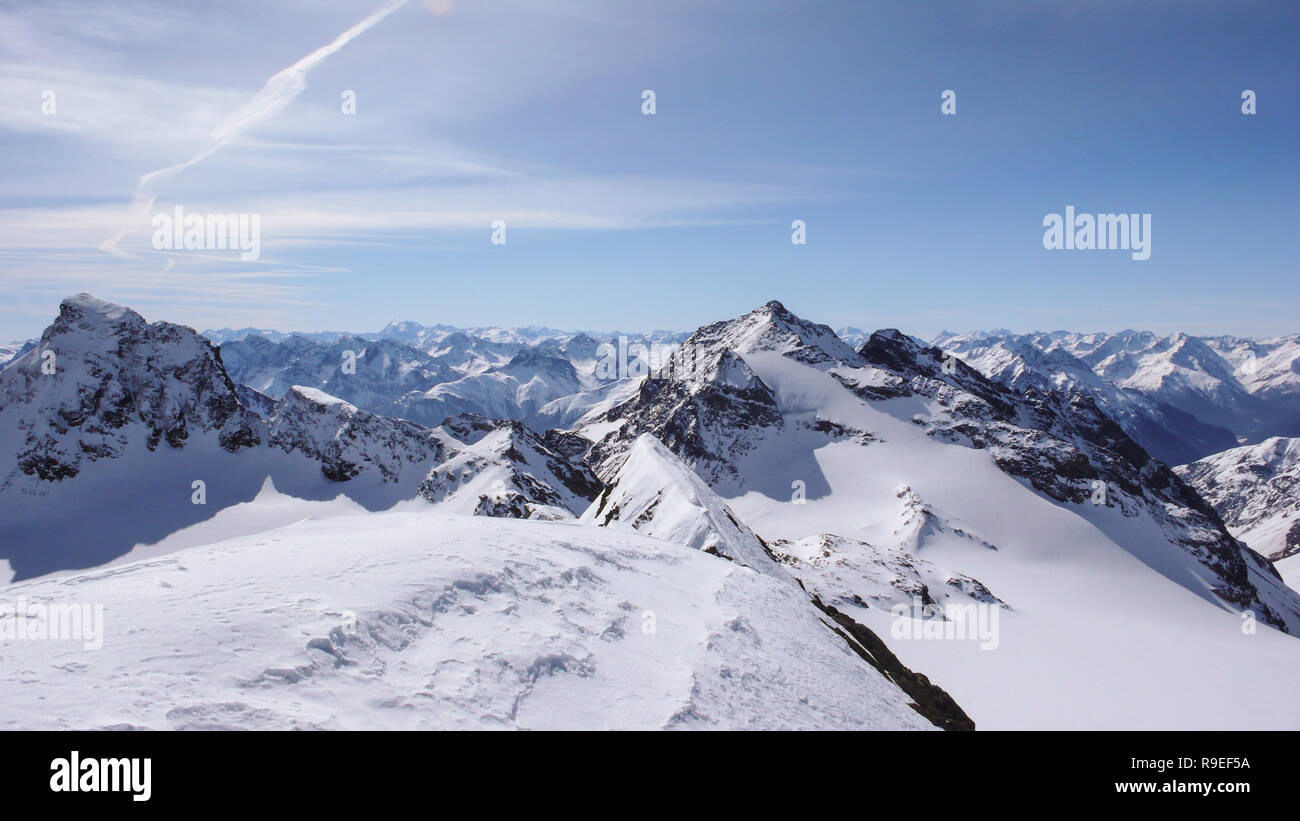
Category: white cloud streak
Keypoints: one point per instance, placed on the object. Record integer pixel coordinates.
(277, 93)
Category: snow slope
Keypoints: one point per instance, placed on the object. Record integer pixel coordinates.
(1123, 611)
(425, 621)
(1111, 624)
(654, 493)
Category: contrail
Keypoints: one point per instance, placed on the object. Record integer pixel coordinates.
(278, 92)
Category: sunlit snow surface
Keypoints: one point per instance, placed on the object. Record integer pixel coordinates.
(422, 620)
(1110, 626)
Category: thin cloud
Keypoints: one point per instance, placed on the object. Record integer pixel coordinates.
(277, 93)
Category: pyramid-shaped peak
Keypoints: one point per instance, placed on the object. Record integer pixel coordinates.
(774, 328)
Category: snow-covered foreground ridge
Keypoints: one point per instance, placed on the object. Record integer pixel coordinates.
(803, 483)
(423, 621)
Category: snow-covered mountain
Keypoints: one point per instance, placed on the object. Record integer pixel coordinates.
(457, 374)
(475, 349)
(517, 389)
(1267, 368)
(502, 468)
(771, 392)
(870, 474)
(426, 336)
(425, 375)
(110, 415)
(781, 492)
(1183, 371)
(374, 375)
(347, 441)
(132, 405)
(653, 492)
(463, 352)
(1164, 431)
(102, 370)
(1256, 489)
(14, 349)
(853, 336)
(1250, 387)
(220, 336)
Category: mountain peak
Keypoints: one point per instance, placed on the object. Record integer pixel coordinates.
(772, 327)
(83, 306)
(531, 360)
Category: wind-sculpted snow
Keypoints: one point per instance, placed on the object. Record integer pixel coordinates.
(1256, 489)
(422, 621)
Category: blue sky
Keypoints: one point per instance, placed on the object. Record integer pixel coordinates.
(766, 112)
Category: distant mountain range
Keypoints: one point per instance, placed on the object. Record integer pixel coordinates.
(770, 496)
(1191, 389)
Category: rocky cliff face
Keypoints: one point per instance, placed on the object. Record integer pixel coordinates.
(1256, 489)
(1033, 361)
(346, 440)
(109, 405)
(100, 377)
(759, 398)
(502, 468)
